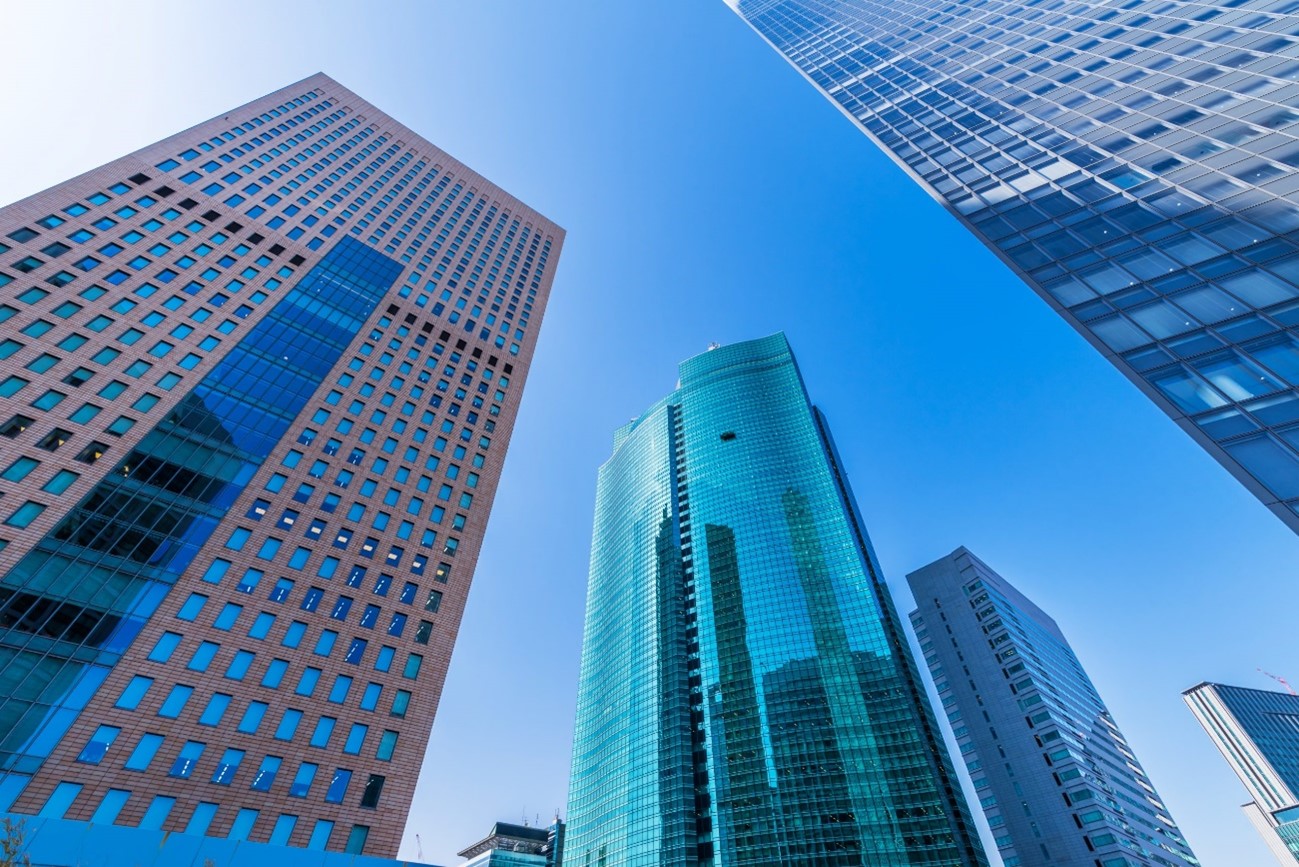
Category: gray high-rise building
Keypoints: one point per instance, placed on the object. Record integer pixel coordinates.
(1055, 777)
(1133, 161)
(1257, 732)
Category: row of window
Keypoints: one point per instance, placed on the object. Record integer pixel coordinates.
(161, 807)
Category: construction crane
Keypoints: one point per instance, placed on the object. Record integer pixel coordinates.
(1280, 680)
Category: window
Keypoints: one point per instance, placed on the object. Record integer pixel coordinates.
(338, 786)
(387, 744)
(252, 718)
(144, 752)
(370, 698)
(283, 830)
(134, 692)
(215, 710)
(373, 789)
(324, 730)
(342, 684)
(301, 784)
(266, 774)
(243, 824)
(166, 645)
(203, 656)
(201, 819)
(307, 682)
(93, 752)
(193, 605)
(320, 835)
(226, 768)
(112, 804)
(60, 800)
(225, 621)
(188, 758)
(240, 664)
(356, 839)
(400, 702)
(413, 663)
(288, 726)
(355, 739)
(159, 809)
(275, 673)
(175, 701)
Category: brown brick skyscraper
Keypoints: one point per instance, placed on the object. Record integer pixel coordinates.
(257, 381)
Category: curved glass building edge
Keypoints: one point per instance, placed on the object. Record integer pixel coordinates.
(747, 695)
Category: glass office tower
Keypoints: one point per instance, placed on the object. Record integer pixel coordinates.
(1055, 777)
(747, 696)
(1257, 732)
(256, 388)
(1134, 161)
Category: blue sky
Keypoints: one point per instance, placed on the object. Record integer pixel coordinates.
(710, 194)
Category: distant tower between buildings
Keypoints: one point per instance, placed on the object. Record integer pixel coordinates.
(1257, 732)
(747, 694)
(258, 381)
(1133, 162)
(1057, 781)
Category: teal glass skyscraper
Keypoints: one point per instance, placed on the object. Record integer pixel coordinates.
(1133, 161)
(747, 695)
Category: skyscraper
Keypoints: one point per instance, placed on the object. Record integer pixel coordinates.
(1257, 732)
(1133, 161)
(747, 695)
(258, 383)
(1055, 777)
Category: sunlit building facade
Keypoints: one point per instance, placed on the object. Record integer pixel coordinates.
(1056, 779)
(747, 695)
(1133, 161)
(257, 385)
(1257, 732)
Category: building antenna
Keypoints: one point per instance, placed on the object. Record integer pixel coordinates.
(419, 847)
(1280, 680)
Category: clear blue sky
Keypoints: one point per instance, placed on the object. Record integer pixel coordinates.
(710, 194)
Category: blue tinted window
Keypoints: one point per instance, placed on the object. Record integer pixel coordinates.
(338, 786)
(266, 774)
(302, 780)
(175, 701)
(275, 673)
(215, 710)
(93, 752)
(167, 644)
(252, 718)
(134, 692)
(288, 725)
(188, 758)
(324, 730)
(144, 752)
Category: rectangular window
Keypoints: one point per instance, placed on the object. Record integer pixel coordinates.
(112, 804)
(387, 743)
(188, 758)
(215, 710)
(283, 830)
(144, 752)
(252, 718)
(266, 774)
(243, 824)
(240, 664)
(226, 768)
(203, 656)
(324, 730)
(301, 784)
(288, 726)
(373, 790)
(320, 835)
(338, 786)
(157, 813)
(175, 701)
(201, 819)
(60, 800)
(93, 752)
(134, 692)
(355, 739)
